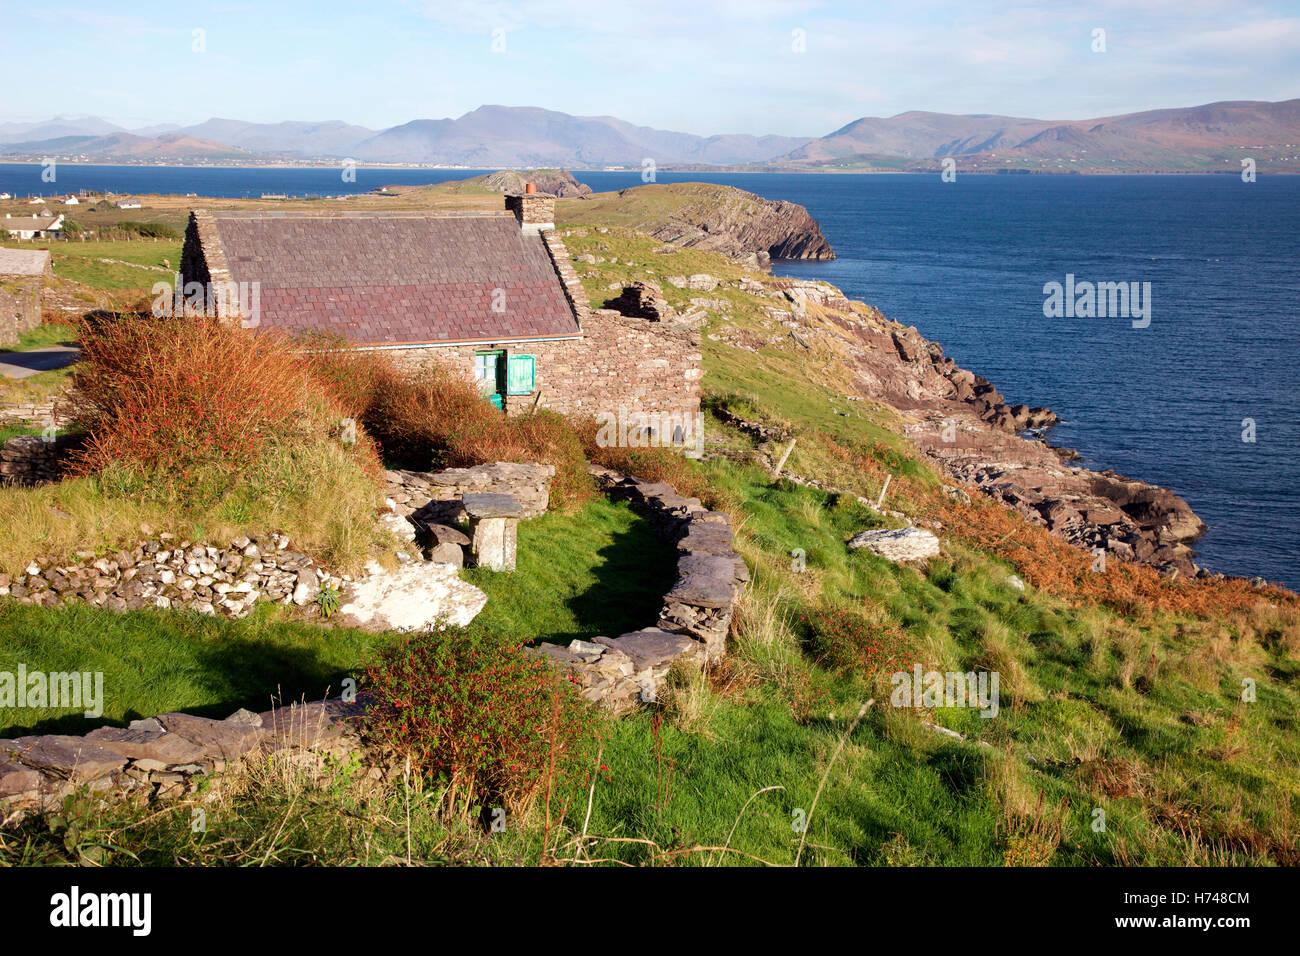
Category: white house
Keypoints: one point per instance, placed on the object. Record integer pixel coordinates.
(129, 204)
(33, 227)
(72, 201)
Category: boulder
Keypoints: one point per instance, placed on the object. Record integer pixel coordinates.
(900, 545)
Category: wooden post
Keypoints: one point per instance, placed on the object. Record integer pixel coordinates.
(776, 472)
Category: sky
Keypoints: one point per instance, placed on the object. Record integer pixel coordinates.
(794, 67)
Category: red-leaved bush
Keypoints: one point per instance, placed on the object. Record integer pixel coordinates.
(842, 638)
(476, 714)
(176, 395)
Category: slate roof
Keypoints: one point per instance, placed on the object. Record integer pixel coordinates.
(392, 278)
(23, 262)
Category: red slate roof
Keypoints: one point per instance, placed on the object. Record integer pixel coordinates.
(389, 279)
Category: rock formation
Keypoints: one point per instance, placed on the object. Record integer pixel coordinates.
(715, 218)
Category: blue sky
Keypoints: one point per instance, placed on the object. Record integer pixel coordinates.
(724, 67)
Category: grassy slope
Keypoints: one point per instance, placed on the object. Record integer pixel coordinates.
(1139, 715)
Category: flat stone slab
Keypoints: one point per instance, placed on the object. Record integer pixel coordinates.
(492, 506)
(310, 725)
(412, 597)
(650, 647)
(708, 537)
(900, 545)
(443, 533)
(148, 745)
(704, 580)
(75, 758)
(16, 779)
(218, 738)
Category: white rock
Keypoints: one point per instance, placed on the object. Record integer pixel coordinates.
(412, 597)
(898, 545)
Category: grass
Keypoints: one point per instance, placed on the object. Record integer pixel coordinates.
(599, 571)
(155, 662)
(315, 494)
(44, 336)
(80, 262)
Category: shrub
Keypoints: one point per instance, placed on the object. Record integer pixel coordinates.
(179, 398)
(149, 230)
(844, 639)
(651, 464)
(475, 714)
(434, 418)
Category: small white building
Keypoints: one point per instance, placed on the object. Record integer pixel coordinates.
(72, 201)
(129, 204)
(33, 227)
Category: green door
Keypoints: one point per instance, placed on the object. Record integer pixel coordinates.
(490, 373)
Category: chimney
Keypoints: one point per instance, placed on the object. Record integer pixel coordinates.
(534, 211)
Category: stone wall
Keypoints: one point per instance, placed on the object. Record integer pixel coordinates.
(20, 307)
(440, 491)
(49, 412)
(168, 572)
(696, 614)
(34, 460)
(165, 757)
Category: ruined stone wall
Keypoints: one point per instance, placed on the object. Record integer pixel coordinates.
(20, 307)
(620, 672)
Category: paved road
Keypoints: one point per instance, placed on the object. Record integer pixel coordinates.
(23, 364)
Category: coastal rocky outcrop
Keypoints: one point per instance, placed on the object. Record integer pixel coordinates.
(973, 434)
(551, 182)
(715, 218)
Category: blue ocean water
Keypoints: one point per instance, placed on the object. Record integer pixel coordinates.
(966, 262)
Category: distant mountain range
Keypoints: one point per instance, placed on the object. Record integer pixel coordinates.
(1213, 136)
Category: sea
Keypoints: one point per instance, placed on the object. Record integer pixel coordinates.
(1198, 391)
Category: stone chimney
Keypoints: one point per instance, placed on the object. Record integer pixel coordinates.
(534, 211)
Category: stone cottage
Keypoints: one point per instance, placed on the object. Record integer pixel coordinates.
(22, 272)
(491, 294)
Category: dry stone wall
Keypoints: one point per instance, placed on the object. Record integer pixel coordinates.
(33, 459)
(693, 622)
(168, 572)
(165, 757)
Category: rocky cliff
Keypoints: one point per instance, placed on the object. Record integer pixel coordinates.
(705, 216)
(973, 434)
